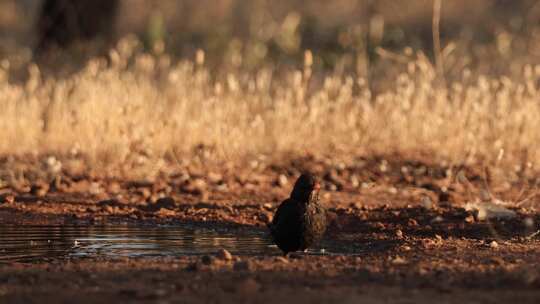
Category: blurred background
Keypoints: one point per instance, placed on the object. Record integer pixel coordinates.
(342, 34)
(112, 78)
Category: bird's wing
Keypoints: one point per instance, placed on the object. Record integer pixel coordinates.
(279, 215)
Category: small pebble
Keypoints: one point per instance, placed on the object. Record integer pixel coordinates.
(215, 177)
(332, 187)
(399, 261)
(282, 180)
(268, 206)
(223, 254)
(437, 219)
(354, 181)
(379, 225)
(282, 260)
(412, 223)
(493, 245)
(427, 202)
(108, 209)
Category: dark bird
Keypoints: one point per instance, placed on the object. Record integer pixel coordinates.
(300, 220)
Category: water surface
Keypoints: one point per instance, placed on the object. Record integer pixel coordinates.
(45, 243)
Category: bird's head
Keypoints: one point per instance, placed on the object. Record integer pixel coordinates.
(306, 188)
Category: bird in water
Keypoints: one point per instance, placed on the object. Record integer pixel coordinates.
(300, 220)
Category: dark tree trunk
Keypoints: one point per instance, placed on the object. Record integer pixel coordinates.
(62, 22)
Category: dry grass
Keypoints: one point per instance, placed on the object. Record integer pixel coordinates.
(140, 104)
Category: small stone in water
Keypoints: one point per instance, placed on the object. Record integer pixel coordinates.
(224, 255)
(493, 245)
(282, 260)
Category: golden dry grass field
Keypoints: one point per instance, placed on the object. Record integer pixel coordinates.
(474, 102)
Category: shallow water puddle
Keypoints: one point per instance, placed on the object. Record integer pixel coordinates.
(39, 243)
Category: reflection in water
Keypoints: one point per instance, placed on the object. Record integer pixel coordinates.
(42, 243)
(27, 243)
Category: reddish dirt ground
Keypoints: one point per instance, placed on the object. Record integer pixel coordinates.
(423, 240)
